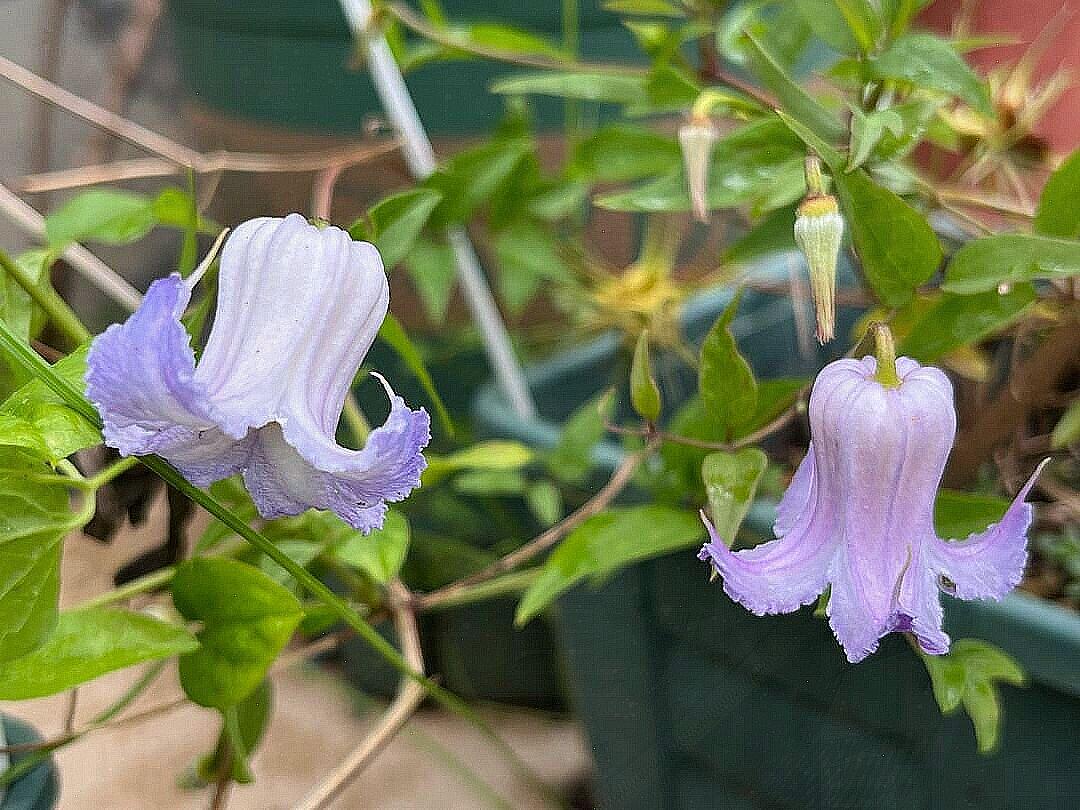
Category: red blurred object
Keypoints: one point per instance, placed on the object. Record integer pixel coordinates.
(1024, 20)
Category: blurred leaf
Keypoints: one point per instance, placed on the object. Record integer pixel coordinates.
(929, 61)
(100, 215)
(731, 480)
(793, 98)
(644, 393)
(1067, 430)
(621, 152)
(63, 429)
(605, 543)
(17, 432)
(86, 644)
(246, 618)
(17, 309)
(958, 514)
(957, 320)
(431, 267)
(648, 8)
(612, 88)
(468, 179)
(968, 675)
(827, 22)
(36, 516)
(489, 455)
(897, 247)
(249, 720)
(726, 382)
(773, 233)
(571, 459)
(514, 40)
(380, 553)
(983, 264)
(490, 483)
(545, 502)
(1059, 206)
(528, 254)
(867, 130)
(394, 336)
(397, 221)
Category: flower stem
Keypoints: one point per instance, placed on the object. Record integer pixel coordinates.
(43, 294)
(885, 351)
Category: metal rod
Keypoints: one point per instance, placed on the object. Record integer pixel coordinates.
(398, 107)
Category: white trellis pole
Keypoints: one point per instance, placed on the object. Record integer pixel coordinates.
(399, 109)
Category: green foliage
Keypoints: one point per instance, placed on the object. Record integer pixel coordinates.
(731, 479)
(62, 429)
(528, 255)
(396, 222)
(489, 455)
(931, 62)
(897, 248)
(728, 389)
(603, 544)
(34, 517)
(1067, 430)
(644, 393)
(867, 131)
(380, 553)
(960, 320)
(242, 729)
(571, 459)
(100, 215)
(648, 8)
(17, 309)
(246, 619)
(86, 644)
(624, 152)
(431, 267)
(1059, 207)
(968, 676)
(1063, 549)
(958, 514)
(983, 264)
(612, 88)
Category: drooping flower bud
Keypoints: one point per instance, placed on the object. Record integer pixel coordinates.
(819, 228)
(697, 137)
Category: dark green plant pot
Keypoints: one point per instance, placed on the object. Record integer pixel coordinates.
(36, 789)
(287, 63)
(691, 702)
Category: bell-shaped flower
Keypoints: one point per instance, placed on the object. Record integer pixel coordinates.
(858, 516)
(298, 308)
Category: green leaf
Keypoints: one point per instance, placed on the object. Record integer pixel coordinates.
(545, 502)
(394, 336)
(489, 455)
(621, 152)
(605, 543)
(799, 104)
(960, 320)
(17, 309)
(958, 514)
(528, 255)
(827, 22)
(1067, 430)
(645, 8)
(604, 87)
(34, 517)
(247, 724)
(380, 553)
(17, 432)
(86, 644)
(867, 130)
(431, 267)
(773, 233)
(968, 675)
(490, 483)
(398, 221)
(63, 430)
(514, 40)
(896, 245)
(470, 178)
(644, 393)
(571, 459)
(931, 62)
(1059, 207)
(731, 480)
(759, 163)
(985, 263)
(728, 389)
(246, 618)
(100, 215)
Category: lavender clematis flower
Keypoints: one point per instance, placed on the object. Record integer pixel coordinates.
(858, 517)
(298, 308)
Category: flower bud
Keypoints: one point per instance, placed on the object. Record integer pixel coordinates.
(697, 138)
(819, 227)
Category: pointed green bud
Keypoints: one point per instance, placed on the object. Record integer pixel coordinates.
(819, 228)
(644, 393)
(697, 137)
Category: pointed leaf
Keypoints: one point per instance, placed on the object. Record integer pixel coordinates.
(985, 263)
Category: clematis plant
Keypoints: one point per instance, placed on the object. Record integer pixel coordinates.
(858, 516)
(298, 309)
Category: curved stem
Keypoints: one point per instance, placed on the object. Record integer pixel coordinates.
(43, 294)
